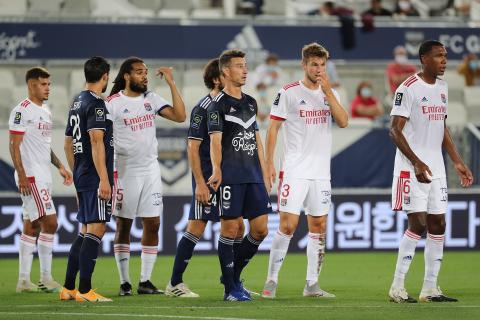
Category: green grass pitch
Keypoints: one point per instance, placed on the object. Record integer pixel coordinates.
(360, 281)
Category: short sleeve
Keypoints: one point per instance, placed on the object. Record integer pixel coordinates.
(158, 103)
(69, 128)
(97, 116)
(279, 110)
(198, 124)
(216, 117)
(402, 103)
(17, 121)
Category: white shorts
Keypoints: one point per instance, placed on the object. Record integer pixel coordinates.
(138, 196)
(312, 195)
(412, 196)
(39, 203)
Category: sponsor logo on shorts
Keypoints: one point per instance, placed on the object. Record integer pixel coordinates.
(207, 210)
(226, 205)
(118, 206)
(48, 205)
(283, 202)
(406, 199)
(156, 199)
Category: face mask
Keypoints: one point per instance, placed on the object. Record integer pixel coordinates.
(262, 94)
(404, 5)
(401, 59)
(366, 92)
(270, 69)
(473, 64)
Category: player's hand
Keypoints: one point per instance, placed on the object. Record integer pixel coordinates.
(67, 176)
(271, 176)
(202, 193)
(104, 190)
(167, 73)
(24, 185)
(324, 82)
(215, 179)
(422, 172)
(465, 175)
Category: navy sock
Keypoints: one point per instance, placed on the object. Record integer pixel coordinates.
(225, 255)
(236, 245)
(247, 250)
(72, 264)
(182, 258)
(88, 257)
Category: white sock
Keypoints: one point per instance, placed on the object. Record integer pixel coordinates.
(315, 256)
(406, 252)
(45, 248)
(433, 260)
(122, 257)
(25, 256)
(149, 256)
(278, 252)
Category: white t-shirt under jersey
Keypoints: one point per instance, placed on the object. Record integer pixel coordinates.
(34, 122)
(134, 132)
(306, 134)
(425, 106)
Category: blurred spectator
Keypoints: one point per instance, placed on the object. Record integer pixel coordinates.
(365, 105)
(332, 74)
(253, 7)
(376, 9)
(468, 9)
(329, 8)
(470, 69)
(405, 8)
(266, 76)
(400, 69)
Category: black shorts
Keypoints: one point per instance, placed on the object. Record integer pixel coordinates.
(247, 200)
(199, 211)
(92, 209)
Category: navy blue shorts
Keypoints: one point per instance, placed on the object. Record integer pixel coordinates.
(92, 209)
(198, 211)
(248, 200)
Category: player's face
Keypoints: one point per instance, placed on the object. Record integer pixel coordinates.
(314, 67)
(237, 71)
(39, 88)
(137, 78)
(436, 60)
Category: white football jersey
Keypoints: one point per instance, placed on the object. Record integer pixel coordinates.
(307, 131)
(134, 132)
(34, 122)
(425, 106)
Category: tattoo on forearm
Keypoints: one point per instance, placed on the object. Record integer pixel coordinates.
(55, 161)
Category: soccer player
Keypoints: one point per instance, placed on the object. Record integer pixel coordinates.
(205, 200)
(419, 131)
(30, 127)
(139, 184)
(237, 158)
(89, 151)
(305, 109)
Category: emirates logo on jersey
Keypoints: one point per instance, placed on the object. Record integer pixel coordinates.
(434, 113)
(320, 116)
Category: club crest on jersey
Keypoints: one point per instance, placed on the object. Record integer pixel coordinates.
(277, 100)
(213, 118)
(18, 118)
(147, 106)
(325, 101)
(443, 97)
(398, 98)
(99, 114)
(196, 120)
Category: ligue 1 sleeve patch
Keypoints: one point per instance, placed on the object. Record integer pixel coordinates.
(398, 98)
(196, 120)
(99, 114)
(213, 118)
(277, 100)
(18, 118)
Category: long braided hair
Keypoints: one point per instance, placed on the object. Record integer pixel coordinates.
(126, 67)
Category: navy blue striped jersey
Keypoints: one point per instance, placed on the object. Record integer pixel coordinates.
(236, 120)
(88, 112)
(198, 131)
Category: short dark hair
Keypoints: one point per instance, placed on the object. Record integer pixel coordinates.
(427, 46)
(35, 73)
(210, 73)
(127, 66)
(227, 56)
(314, 50)
(94, 68)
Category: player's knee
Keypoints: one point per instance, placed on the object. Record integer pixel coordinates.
(152, 226)
(259, 234)
(437, 226)
(287, 229)
(418, 228)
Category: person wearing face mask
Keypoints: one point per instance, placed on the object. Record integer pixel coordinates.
(470, 69)
(365, 105)
(400, 69)
(405, 8)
